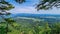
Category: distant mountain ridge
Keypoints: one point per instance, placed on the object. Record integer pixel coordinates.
(45, 17)
(35, 15)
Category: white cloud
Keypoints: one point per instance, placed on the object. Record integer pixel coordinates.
(24, 10)
(30, 9)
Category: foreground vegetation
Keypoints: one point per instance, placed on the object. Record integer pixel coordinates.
(26, 28)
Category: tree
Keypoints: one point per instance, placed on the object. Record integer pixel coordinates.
(4, 6)
(47, 4)
(55, 28)
(7, 6)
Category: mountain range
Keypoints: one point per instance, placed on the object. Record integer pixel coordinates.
(50, 18)
(35, 15)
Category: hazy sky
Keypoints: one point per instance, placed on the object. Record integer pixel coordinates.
(29, 7)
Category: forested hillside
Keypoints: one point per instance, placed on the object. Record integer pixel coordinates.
(30, 26)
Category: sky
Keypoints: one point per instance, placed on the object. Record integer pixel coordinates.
(29, 7)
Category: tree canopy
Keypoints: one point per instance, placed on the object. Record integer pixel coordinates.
(48, 4)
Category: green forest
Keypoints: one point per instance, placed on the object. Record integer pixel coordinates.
(22, 26)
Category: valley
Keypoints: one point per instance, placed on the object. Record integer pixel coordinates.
(30, 24)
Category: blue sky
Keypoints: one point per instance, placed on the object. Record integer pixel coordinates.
(29, 7)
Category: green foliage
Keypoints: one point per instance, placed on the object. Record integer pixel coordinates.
(47, 4)
(17, 28)
(2, 28)
(20, 1)
(55, 28)
(7, 6)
